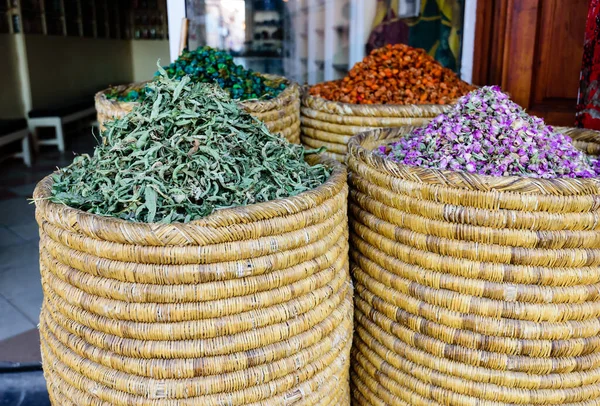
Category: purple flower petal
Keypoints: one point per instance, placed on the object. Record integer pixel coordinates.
(487, 133)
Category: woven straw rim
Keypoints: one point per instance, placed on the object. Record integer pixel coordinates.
(360, 147)
(330, 118)
(107, 103)
(515, 217)
(290, 94)
(221, 218)
(482, 201)
(371, 110)
(312, 217)
(275, 119)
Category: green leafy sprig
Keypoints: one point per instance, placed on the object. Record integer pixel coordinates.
(184, 152)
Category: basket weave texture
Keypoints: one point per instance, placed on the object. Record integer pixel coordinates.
(248, 306)
(472, 290)
(331, 124)
(281, 114)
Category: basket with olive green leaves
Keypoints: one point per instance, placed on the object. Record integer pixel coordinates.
(219, 276)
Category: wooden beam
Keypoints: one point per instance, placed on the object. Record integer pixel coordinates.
(519, 50)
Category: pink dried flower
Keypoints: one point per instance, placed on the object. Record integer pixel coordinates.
(489, 134)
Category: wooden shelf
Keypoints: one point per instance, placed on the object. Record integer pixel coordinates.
(114, 19)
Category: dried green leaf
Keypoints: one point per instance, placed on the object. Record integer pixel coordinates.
(183, 153)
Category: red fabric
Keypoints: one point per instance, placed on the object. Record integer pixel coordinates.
(588, 101)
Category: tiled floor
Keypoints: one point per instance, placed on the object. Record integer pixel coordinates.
(20, 289)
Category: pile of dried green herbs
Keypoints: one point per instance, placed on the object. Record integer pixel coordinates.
(183, 153)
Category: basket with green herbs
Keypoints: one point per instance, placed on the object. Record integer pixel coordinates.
(272, 99)
(195, 258)
(475, 245)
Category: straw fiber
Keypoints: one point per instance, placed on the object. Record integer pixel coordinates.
(281, 114)
(107, 109)
(470, 289)
(248, 306)
(331, 124)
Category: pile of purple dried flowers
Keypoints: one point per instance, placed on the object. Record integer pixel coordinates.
(488, 134)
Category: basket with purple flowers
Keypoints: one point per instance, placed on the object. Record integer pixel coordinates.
(475, 243)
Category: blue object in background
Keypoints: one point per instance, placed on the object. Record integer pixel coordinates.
(22, 385)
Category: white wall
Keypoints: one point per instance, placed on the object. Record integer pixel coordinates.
(144, 55)
(175, 13)
(64, 69)
(468, 44)
(38, 71)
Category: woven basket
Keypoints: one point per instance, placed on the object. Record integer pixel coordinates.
(331, 124)
(250, 305)
(107, 109)
(472, 290)
(281, 114)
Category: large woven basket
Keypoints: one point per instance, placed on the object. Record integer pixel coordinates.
(331, 124)
(472, 290)
(107, 109)
(251, 305)
(281, 114)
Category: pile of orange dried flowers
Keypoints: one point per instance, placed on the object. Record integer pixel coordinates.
(395, 74)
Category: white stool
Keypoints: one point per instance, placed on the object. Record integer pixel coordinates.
(57, 121)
